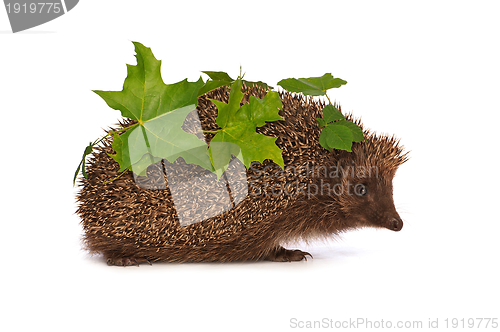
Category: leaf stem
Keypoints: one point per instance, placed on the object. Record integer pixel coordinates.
(116, 177)
(125, 128)
(113, 132)
(328, 98)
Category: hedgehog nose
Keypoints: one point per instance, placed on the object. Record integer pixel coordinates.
(396, 224)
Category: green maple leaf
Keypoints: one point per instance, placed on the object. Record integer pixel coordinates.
(312, 86)
(160, 111)
(238, 136)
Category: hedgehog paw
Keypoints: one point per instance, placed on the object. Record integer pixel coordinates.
(284, 255)
(125, 261)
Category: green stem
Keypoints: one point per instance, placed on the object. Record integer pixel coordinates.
(123, 129)
(111, 133)
(328, 99)
(125, 171)
(147, 145)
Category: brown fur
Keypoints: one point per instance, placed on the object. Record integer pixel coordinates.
(129, 225)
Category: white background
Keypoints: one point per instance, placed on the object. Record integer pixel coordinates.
(426, 71)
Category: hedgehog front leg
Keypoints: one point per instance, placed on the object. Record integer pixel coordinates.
(125, 261)
(281, 254)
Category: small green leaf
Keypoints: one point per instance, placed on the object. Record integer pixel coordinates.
(312, 86)
(337, 133)
(337, 137)
(218, 76)
(357, 132)
(331, 113)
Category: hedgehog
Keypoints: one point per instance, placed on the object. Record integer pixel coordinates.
(318, 194)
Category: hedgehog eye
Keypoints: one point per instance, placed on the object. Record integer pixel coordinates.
(361, 190)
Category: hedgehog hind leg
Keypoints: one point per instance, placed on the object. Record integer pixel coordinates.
(117, 252)
(281, 254)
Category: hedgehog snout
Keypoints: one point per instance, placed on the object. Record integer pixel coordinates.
(395, 224)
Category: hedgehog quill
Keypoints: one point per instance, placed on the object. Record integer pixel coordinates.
(315, 193)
